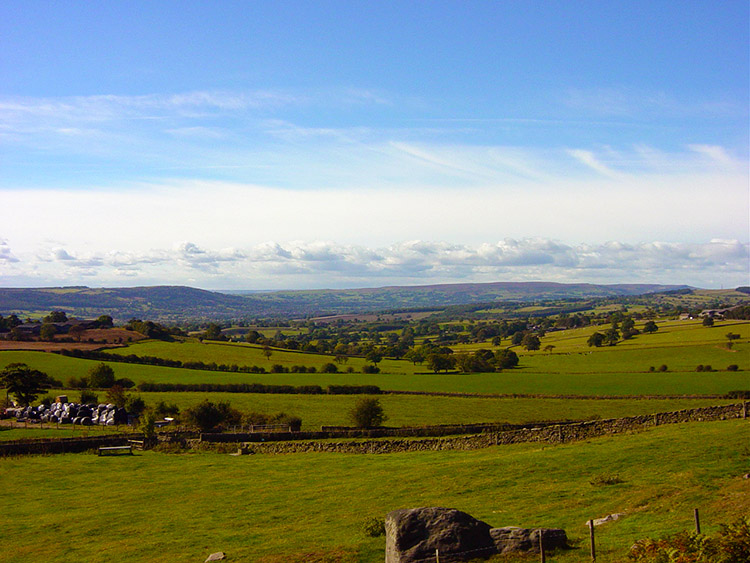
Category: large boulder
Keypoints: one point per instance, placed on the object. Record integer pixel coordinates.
(512, 539)
(414, 534)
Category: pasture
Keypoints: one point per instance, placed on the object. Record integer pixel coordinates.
(402, 410)
(310, 507)
(612, 378)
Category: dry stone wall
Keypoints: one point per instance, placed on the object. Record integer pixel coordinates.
(556, 434)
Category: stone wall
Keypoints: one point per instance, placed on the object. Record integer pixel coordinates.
(554, 434)
(64, 445)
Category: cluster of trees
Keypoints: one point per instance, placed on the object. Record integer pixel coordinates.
(154, 330)
(207, 416)
(617, 330)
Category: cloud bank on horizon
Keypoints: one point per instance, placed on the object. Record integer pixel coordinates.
(495, 145)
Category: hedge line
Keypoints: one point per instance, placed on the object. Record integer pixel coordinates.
(261, 388)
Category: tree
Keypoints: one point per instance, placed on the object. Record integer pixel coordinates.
(731, 337)
(596, 339)
(708, 321)
(367, 413)
(611, 336)
(101, 376)
(213, 332)
(76, 331)
(56, 317)
(415, 356)
(440, 362)
(117, 396)
(267, 352)
(24, 383)
(650, 327)
(105, 321)
(506, 359)
(47, 332)
(374, 356)
(531, 342)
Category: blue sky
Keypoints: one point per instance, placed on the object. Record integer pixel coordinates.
(261, 145)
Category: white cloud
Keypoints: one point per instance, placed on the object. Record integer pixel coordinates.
(301, 264)
(6, 256)
(588, 158)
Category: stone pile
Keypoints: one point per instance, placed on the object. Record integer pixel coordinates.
(74, 413)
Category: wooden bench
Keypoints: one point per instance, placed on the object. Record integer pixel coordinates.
(115, 450)
(137, 444)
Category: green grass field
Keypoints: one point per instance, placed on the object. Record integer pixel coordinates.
(310, 507)
(525, 380)
(403, 410)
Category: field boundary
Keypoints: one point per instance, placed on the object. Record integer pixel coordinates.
(64, 445)
(553, 434)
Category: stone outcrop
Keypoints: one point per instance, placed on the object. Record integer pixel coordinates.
(512, 539)
(419, 534)
(414, 535)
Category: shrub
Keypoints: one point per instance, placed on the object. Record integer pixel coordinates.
(604, 480)
(329, 368)
(373, 527)
(147, 425)
(367, 413)
(135, 405)
(89, 397)
(699, 368)
(708, 368)
(663, 367)
(162, 409)
(78, 383)
(733, 367)
(367, 368)
(730, 545)
(206, 415)
(651, 369)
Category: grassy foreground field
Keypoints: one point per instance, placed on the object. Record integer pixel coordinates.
(310, 507)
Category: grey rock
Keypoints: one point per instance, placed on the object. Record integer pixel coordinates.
(511, 539)
(414, 534)
(218, 556)
(607, 518)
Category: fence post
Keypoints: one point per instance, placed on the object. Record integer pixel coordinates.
(437, 556)
(744, 410)
(697, 521)
(591, 536)
(542, 557)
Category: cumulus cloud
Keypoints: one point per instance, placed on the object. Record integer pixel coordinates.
(299, 264)
(6, 256)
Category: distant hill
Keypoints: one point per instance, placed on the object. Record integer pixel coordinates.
(178, 303)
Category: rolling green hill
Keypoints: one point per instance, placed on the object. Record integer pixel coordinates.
(175, 303)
